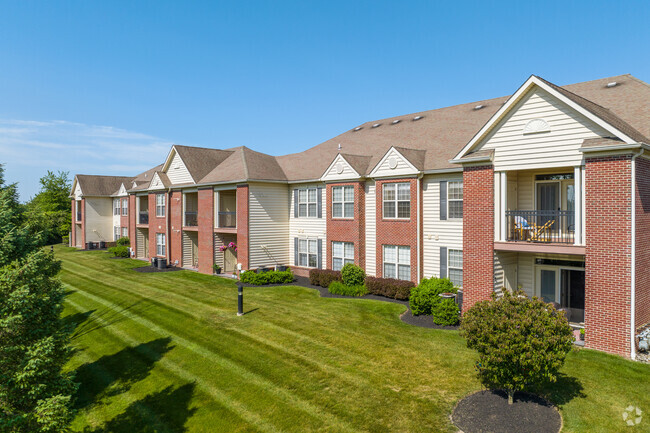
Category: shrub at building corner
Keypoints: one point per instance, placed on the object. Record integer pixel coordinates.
(446, 313)
(119, 251)
(352, 275)
(522, 343)
(425, 297)
(123, 241)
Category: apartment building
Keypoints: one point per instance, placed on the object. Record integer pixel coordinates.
(547, 190)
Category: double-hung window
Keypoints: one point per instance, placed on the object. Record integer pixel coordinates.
(160, 244)
(308, 253)
(342, 253)
(125, 206)
(343, 202)
(160, 205)
(125, 232)
(116, 206)
(455, 199)
(397, 262)
(307, 202)
(455, 261)
(116, 232)
(397, 200)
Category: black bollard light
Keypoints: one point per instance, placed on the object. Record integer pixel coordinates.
(52, 248)
(240, 299)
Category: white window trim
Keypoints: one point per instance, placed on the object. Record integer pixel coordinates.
(450, 267)
(307, 203)
(449, 200)
(396, 201)
(307, 253)
(161, 206)
(125, 209)
(122, 232)
(344, 259)
(343, 202)
(117, 203)
(396, 262)
(116, 231)
(160, 245)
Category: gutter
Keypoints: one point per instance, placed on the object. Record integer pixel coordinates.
(615, 148)
(633, 257)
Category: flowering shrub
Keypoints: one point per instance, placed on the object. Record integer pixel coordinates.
(232, 245)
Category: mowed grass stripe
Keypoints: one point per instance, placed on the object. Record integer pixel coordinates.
(249, 376)
(222, 398)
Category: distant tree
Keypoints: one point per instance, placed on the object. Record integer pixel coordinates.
(49, 211)
(522, 342)
(35, 396)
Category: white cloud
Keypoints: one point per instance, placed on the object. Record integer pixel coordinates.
(29, 148)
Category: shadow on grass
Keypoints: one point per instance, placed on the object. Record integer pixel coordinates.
(106, 317)
(113, 374)
(565, 389)
(163, 411)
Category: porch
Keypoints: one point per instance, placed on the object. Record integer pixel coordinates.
(142, 205)
(226, 211)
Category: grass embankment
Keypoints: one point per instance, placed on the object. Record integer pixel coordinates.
(166, 352)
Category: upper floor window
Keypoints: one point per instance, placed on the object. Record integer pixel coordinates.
(160, 205)
(308, 202)
(455, 261)
(125, 206)
(397, 200)
(455, 199)
(343, 202)
(342, 253)
(116, 206)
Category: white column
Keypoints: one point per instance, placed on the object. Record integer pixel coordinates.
(504, 205)
(217, 200)
(577, 185)
(584, 205)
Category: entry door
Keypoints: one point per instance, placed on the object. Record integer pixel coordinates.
(548, 201)
(146, 244)
(548, 284)
(572, 293)
(229, 260)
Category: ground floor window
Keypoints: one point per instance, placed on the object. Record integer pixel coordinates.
(116, 232)
(397, 262)
(308, 252)
(160, 244)
(125, 232)
(455, 260)
(342, 253)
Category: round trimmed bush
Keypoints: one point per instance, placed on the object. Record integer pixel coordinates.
(119, 251)
(123, 241)
(424, 298)
(446, 313)
(352, 275)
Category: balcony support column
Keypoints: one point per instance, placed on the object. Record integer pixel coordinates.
(577, 179)
(503, 198)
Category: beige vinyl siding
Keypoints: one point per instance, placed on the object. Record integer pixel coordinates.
(140, 240)
(437, 233)
(308, 227)
(371, 228)
(347, 173)
(515, 150)
(187, 248)
(502, 260)
(99, 219)
(402, 168)
(526, 273)
(177, 172)
(218, 255)
(268, 225)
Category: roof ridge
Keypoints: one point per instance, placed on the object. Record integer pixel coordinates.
(243, 158)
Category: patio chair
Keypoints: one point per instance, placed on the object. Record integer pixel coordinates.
(539, 232)
(522, 228)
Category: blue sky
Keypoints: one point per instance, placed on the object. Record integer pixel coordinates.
(107, 87)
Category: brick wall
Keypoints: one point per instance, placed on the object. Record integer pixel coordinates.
(73, 232)
(175, 214)
(206, 230)
(347, 229)
(397, 232)
(478, 234)
(156, 225)
(608, 254)
(132, 220)
(242, 225)
(642, 283)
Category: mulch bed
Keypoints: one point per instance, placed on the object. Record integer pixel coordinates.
(488, 411)
(424, 321)
(151, 269)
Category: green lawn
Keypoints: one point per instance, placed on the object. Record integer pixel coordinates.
(166, 352)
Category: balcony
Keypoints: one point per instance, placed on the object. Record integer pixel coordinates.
(191, 219)
(228, 220)
(143, 217)
(537, 226)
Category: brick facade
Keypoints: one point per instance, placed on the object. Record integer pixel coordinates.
(347, 229)
(73, 233)
(608, 254)
(133, 218)
(478, 234)
(401, 232)
(642, 269)
(242, 225)
(175, 214)
(206, 230)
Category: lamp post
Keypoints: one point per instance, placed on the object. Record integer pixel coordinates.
(240, 299)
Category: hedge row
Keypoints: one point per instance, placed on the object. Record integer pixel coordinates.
(389, 287)
(270, 277)
(338, 288)
(323, 277)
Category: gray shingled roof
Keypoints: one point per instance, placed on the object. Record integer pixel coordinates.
(100, 186)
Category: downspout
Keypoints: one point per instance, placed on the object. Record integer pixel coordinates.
(633, 258)
(419, 242)
(168, 249)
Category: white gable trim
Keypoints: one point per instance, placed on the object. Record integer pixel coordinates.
(122, 191)
(156, 183)
(76, 186)
(512, 101)
(411, 170)
(170, 157)
(342, 175)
